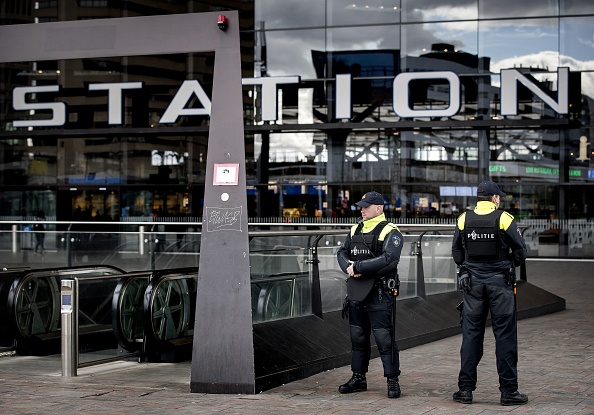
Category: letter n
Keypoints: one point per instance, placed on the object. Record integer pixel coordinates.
(509, 91)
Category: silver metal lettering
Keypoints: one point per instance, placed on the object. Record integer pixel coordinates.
(509, 91)
(269, 97)
(58, 109)
(114, 100)
(400, 94)
(269, 93)
(343, 97)
(177, 107)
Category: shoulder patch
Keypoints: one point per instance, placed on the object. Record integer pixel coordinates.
(396, 240)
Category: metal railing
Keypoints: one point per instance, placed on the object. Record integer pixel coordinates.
(294, 272)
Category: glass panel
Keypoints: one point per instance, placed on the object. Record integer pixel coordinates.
(577, 7)
(440, 46)
(432, 10)
(370, 12)
(512, 8)
(109, 161)
(290, 52)
(524, 155)
(92, 161)
(536, 44)
(28, 161)
(577, 34)
(444, 156)
(82, 93)
(274, 14)
(281, 284)
(332, 278)
(364, 38)
(438, 264)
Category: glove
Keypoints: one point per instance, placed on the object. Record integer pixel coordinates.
(345, 308)
(463, 281)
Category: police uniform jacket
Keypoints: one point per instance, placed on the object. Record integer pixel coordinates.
(391, 242)
(510, 241)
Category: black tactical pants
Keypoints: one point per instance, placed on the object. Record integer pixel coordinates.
(489, 294)
(373, 314)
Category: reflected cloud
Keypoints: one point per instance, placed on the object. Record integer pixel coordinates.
(447, 13)
(548, 60)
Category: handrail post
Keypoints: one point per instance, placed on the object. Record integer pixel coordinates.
(316, 291)
(15, 238)
(141, 240)
(69, 334)
(420, 270)
(523, 272)
(69, 246)
(153, 247)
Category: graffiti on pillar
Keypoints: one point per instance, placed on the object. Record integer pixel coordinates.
(223, 219)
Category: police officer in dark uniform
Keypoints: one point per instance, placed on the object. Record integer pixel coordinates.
(487, 245)
(370, 256)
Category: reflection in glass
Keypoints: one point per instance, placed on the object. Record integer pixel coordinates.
(440, 46)
(577, 55)
(539, 48)
(577, 7)
(28, 161)
(455, 152)
(434, 10)
(364, 38)
(514, 8)
(289, 52)
(370, 12)
(87, 87)
(273, 14)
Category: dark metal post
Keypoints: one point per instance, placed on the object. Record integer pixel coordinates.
(316, 292)
(223, 353)
(420, 270)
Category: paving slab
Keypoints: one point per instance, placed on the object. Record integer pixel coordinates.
(556, 370)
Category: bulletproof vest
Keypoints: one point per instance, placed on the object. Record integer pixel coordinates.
(363, 246)
(482, 237)
(366, 245)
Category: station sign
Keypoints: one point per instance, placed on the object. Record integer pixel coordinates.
(191, 90)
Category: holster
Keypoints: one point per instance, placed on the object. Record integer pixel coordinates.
(510, 277)
(391, 283)
(460, 308)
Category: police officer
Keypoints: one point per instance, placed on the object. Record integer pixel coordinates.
(487, 245)
(370, 256)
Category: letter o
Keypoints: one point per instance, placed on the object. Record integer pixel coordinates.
(400, 94)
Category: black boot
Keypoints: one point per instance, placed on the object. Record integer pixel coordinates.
(393, 388)
(463, 396)
(513, 398)
(357, 383)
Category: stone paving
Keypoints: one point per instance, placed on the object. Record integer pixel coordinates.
(556, 370)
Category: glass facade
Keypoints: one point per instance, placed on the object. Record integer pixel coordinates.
(405, 97)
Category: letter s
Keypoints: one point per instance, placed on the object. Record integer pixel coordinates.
(58, 109)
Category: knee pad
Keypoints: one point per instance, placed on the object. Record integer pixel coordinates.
(358, 337)
(383, 339)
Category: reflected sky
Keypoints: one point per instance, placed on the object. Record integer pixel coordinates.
(489, 9)
(546, 42)
(432, 10)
